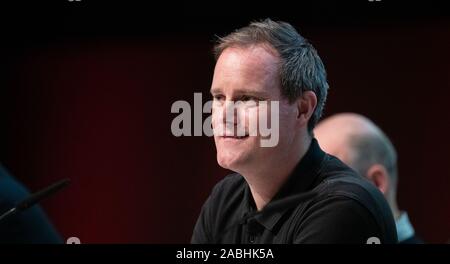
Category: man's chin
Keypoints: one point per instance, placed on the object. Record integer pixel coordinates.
(232, 163)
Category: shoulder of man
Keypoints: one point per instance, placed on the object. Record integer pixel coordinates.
(340, 185)
(29, 227)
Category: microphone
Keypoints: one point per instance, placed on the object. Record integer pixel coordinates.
(35, 198)
(285, 203)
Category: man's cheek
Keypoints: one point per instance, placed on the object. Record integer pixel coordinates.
(269, 123)
(252, 122)
(217, 121)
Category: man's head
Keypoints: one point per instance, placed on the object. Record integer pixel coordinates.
(359, 143)
(266, 61)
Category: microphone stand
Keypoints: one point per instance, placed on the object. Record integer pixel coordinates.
(35, 198)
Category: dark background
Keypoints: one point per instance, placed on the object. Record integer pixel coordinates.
(87, 87)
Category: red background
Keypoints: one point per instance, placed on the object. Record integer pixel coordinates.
(96, 108)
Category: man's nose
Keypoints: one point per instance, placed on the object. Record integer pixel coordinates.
(229, 113)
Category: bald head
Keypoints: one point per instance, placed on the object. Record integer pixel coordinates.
(358, 142)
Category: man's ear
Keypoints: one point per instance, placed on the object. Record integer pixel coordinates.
(306, 104)
(379, 176)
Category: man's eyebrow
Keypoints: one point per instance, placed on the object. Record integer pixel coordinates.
(215, 90)
(250, 92)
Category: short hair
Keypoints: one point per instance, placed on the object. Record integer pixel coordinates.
(373, 148)
(301, 68)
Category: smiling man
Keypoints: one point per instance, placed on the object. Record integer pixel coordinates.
(264, 63)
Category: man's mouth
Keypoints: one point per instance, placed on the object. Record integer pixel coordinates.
(235, 137)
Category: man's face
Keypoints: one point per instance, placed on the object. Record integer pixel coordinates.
(250, 75)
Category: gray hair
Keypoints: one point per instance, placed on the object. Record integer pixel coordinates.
(301, 68)
(373, 148)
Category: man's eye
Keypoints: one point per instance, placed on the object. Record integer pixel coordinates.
(218, 97)
(249, 98)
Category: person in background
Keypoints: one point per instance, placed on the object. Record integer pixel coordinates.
(363, 146)
(28, 227)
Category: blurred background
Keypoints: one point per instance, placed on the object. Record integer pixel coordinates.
(87, 88)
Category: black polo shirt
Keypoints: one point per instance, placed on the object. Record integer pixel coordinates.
(345, 208)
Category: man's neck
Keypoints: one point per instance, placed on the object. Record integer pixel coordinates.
(267, 181)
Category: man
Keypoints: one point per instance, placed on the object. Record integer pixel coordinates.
(28, 227)
(269, 61)
(359, 143)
